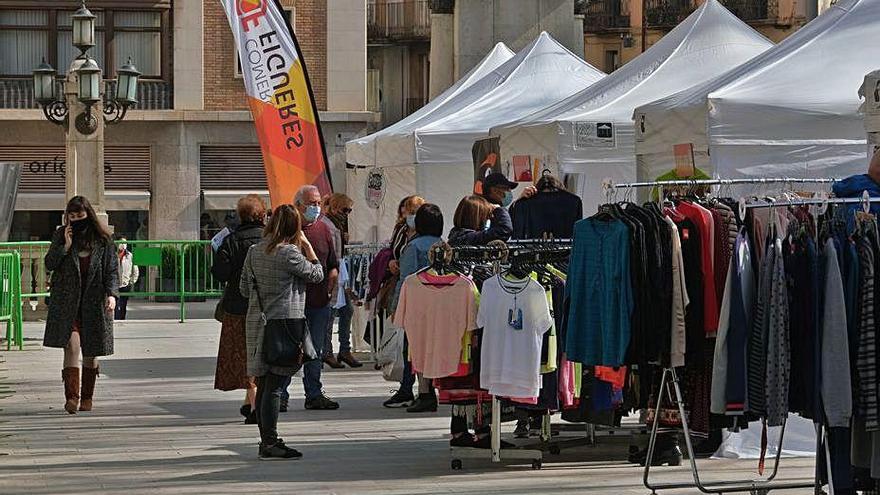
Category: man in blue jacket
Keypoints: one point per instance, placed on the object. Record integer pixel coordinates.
(854, 186)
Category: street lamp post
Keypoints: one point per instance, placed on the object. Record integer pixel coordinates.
(83, 111)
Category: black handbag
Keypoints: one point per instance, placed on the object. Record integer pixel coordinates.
(287, 342)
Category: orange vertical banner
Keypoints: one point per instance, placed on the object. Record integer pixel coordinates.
(280, 97)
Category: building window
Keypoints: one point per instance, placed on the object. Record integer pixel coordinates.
(289, 16)
(28, 36)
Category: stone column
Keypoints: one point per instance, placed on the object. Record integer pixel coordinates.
(84, 174)
(442, 66)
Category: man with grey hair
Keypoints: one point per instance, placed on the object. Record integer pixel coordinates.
(308, 202)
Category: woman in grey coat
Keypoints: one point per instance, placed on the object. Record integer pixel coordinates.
(279, 267)
(82, 296)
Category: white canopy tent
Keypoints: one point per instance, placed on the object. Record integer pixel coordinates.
(797, 114)
(682, 117)
(542, 73)
(390, 145)
(392, 149)
(591, 133)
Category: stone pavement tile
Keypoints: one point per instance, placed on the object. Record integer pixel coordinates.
(159, 428)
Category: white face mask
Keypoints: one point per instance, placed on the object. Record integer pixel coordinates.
(123, 247)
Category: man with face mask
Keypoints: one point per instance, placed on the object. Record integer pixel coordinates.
(318, 312)
(499, 191)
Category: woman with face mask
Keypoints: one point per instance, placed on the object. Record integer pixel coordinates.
(82, 297)
(473, 225)
(404, 229)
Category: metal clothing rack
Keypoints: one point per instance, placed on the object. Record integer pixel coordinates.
(497, 253)
(370, 248)
(669, 383)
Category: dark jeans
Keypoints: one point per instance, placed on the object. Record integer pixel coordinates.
(269, 389)
(345, 314)
(122, 304)
(317, 319)
(409, 378)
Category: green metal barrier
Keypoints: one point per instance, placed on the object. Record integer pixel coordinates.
(10, 299)
(170, 271)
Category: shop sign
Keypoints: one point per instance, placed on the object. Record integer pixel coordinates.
(375, 189)
(55, 166)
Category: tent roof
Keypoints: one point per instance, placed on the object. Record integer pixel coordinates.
(710, 40)
(807, 88)
(360, 150)
(541, 73)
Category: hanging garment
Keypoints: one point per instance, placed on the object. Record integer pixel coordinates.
(680, 300)
(778, 373)
(866, 358)
(600, 293)
(731, 394)
(836, 384)
(435, 319)
(551, 213)
(756, 363)
(702, 218)
(514, 316)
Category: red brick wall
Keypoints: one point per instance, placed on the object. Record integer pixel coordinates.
(224, 91)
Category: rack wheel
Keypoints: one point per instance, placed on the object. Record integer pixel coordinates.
(536, 464)
(555, 450)
(456, 465)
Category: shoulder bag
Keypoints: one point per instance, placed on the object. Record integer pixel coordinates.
(287, 342)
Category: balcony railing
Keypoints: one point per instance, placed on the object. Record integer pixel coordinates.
(668, 13)
(152, 95)
(602, 15)
(398, 20)
(753, 10)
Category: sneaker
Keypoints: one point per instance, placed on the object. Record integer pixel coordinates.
(399, 399)
(332, 362)
(251, 419)
(349, 359)
(282, 407)
(245, 410)
(321, 403)
(278, 451)
(425, 403)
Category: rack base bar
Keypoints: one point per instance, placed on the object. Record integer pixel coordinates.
(669, 387)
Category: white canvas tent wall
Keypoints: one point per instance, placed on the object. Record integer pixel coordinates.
(682, 117)
(393, 147)
(797, 115)
(542, 73)
(709, 42)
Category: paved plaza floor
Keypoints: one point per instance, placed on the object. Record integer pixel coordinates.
(158, 427)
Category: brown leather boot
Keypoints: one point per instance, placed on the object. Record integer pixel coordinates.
(71, 389)
(349, 359)
(89, 375)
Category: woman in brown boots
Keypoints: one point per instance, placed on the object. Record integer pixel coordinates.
(82, 296)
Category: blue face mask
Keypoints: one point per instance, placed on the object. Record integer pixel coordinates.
(508, 199)
(411, 221)
(312, 213)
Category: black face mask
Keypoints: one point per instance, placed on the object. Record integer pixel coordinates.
(79, 226)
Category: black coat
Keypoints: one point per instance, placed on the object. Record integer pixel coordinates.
(66, 297)
(229, 261)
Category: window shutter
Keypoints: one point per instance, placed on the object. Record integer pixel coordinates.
(126, 167)
(235, 168)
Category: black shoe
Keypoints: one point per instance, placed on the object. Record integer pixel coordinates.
(349, 359)
(522, 429)
(278, 451)
(486, 443)
(671, 457)
(707, 449)
(463, 440)
(321, 403)
(400, 399)
(245, 410)
(283, 405)
(251, 419)
(425, 403)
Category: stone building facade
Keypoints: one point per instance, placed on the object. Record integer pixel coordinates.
(177, 164)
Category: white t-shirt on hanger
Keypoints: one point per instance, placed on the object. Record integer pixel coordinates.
(510, 363)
